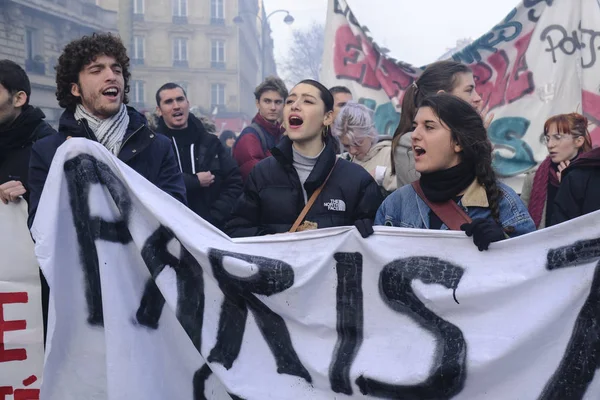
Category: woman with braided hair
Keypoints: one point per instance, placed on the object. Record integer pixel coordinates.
(454, 157)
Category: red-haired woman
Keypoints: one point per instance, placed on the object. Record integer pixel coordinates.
(566, 137)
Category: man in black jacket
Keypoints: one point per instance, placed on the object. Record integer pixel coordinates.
(92, 81)
(20, 126)
(212, 179)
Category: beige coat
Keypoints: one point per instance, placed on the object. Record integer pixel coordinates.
(378, 162)
(404, 161)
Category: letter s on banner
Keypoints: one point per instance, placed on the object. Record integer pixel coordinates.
(449, 370)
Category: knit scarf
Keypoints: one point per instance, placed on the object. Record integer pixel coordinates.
(110, 131)
(441, 186)
(545, 175)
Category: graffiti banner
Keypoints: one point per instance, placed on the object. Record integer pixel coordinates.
(536, 62)
(21, 330)
(151, 302)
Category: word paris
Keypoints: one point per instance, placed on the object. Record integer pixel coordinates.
(179, 310)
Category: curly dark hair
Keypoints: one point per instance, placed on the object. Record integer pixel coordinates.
(467, 129)
(80, 53)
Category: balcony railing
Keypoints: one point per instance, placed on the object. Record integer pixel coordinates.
(180, 63)
(217, 21)
(180, 19)
(217, 65)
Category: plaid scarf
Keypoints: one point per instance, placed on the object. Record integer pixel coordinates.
(110, 131)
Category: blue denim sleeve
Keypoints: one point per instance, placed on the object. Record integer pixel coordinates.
(380, 216)
(514, 213)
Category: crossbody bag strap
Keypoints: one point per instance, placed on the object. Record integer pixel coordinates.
(448, 212)
(311, 201)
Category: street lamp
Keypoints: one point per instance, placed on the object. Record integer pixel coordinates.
(288, 19)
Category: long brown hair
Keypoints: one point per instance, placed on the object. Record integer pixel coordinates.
(441, 75)
(467, 129)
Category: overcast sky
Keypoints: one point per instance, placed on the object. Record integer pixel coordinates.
(416, 31)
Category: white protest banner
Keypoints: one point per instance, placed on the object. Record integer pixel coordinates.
(536, 62)
(322, 314)
(21, 330)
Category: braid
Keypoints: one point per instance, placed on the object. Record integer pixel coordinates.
(487, 178)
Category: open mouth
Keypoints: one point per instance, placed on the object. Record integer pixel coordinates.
(295, 121)
(177, 114)
(111, 92)
(419, 151)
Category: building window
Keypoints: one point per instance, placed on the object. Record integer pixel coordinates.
(139, 44)
(180, 52)
(217, 14)
(34, 60)
(137, 92)
(217, 54)
(217, 95)
(180, 11)
(138, 10)
(138, 6)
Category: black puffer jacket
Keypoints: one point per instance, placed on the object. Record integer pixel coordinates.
(273, 198)
(16, 141)
(213, 203)
(579, 190)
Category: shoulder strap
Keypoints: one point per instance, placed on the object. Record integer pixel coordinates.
(449, 212)
(311, 201)
(261, 136)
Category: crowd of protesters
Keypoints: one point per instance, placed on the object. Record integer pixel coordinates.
(311, 157)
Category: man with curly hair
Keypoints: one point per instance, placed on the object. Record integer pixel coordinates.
(256, 140)
(92, 82)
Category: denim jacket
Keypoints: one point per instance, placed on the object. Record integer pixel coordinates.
(404, 208)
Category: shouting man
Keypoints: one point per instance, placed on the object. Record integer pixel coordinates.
(92, 81)
(212, 178)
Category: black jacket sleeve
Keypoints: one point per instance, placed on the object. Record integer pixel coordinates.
(246, 215)
(38, 172)
(568, 203)
(170, 179)
(192, 184)
(370, 199)
(230, 189)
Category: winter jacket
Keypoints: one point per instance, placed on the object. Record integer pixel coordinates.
(148, 153)
(404, 161)
(273, 198)
(579, 191)
(213, 203)
(404, 208)
(378, 162)
(16, 142)
(249, 150)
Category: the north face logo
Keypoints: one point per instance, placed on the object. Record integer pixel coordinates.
(336, 205)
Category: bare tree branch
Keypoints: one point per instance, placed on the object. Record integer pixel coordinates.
(303, 60)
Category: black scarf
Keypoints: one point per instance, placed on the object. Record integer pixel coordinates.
(21, 131)
(441, 186)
